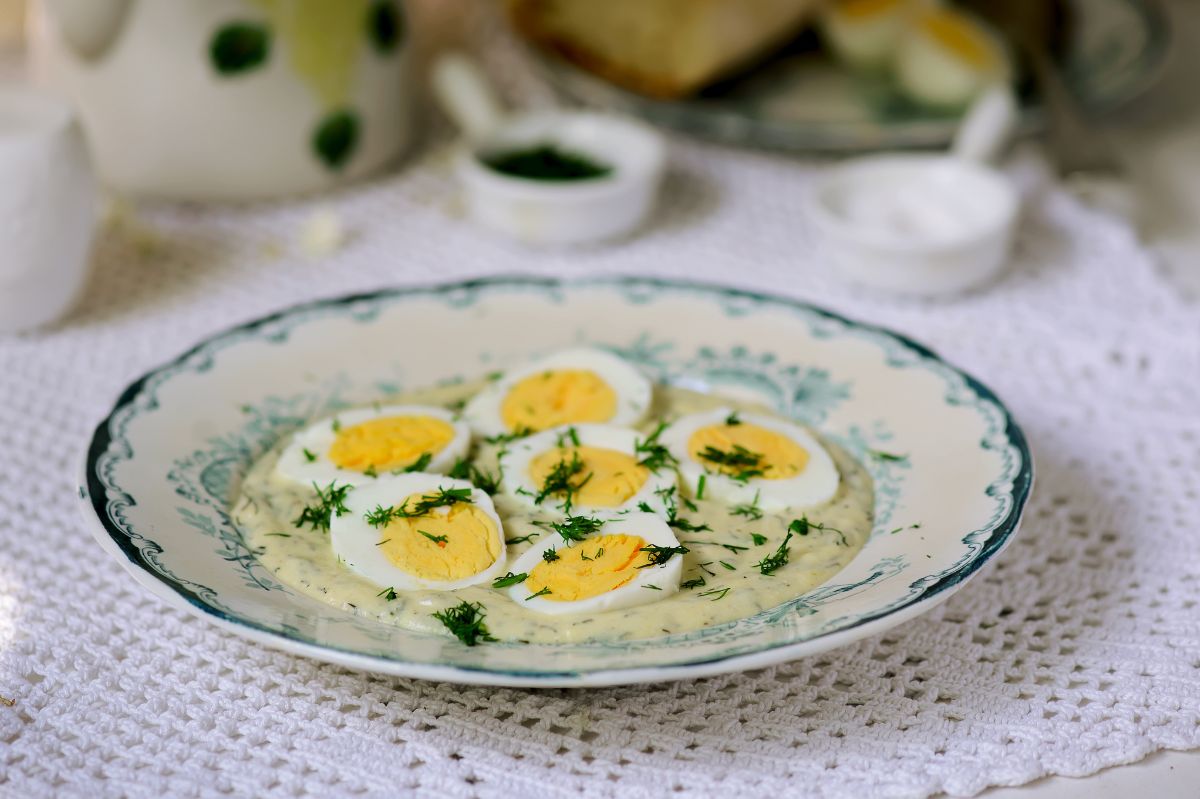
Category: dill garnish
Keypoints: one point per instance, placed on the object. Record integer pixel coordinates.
(437, 539)
(559, 482)
(693, 583)
(420, 463)
(750, 510)
(740, 463)
(550, 556)
(521, 539)
(671, 502)
(758, 540)
(577, 528)
(509, 579)
(653, 455)
(778, 558)
(545, 590)
(309, 455)
(659, 555)
(485, 481)
(733, 420)
(465, 621)
(330, 501)
(388, 593)
(886, 456)
(715, 593)
(445, 497)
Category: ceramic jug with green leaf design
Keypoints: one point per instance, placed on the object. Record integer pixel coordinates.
(232, 99)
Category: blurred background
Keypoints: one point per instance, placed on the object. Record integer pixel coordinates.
(249, 100)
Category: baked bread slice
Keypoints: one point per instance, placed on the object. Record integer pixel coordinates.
(661, 48)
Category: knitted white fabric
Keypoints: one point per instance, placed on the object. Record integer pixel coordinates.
(1078, 649)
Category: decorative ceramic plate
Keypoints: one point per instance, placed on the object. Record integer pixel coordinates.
(163, 466)
(803, 101)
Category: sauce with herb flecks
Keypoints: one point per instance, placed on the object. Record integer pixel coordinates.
(723, 570)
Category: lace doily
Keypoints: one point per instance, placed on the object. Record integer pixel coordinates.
(1078, 649)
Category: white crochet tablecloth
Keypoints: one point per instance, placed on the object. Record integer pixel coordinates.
(1078, 649)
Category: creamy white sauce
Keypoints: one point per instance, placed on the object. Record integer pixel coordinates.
(304, 560)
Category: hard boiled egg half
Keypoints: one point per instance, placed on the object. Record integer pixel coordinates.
(948, 57)
(577, 386)
(359, 445)
(633, 560)
(584, 469)
(420, 531)
(746, 458)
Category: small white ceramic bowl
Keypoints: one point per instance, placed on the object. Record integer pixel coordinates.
(956, 233)
(564, 212)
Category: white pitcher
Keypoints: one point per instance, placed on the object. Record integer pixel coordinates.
(232, 99)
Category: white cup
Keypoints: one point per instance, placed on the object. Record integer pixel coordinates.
(47, 209)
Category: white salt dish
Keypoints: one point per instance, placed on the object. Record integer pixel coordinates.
(549, 212)
(48, 205)
(923, 225)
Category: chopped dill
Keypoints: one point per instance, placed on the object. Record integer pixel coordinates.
(715, 593)
(571, 435)
(733, 420)
(485, 481)
(465, 621)
(509, 579)
(437, 539)
(309, 455)
(671, 501)
(758, 539)
(550, 555)
(545, 590)
(653, 587)
(420, 464)
(559, 482)
(652, 454)
(729, 566)
(388, 593)
(506, 438)
(371, 471)
(734, 548)
(700, 486)
(657, 556)
(741, 463)
(577, 528)
(778, 558)
(802, 526)
(445, 497)
(521, 539)
(281, 535)
(886, 456)
(697, 582)
(703, 568)
(330, 501)
(750, 510)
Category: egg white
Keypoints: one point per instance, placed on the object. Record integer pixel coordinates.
(294, 465)
(356, 543)
(867, 40)
(632, 388)
(815, 485)
(931, 73)
(517, 484)
(650, 528)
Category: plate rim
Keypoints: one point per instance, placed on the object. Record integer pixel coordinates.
(93, 497)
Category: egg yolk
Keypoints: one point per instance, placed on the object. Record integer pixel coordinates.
(608, 477)
(445, 544)
(558, 396)
(749, 450)
(959, 35)
(392, 442)
(590, 568)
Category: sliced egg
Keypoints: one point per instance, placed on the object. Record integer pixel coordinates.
(598, 466)
(420, 532)
(576, 386)
(748, 458)
(866, 33)
(628, 561)
(948, 57)
(359, 445)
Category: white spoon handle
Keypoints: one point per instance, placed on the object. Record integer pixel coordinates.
(987, 128)
(466, 96)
